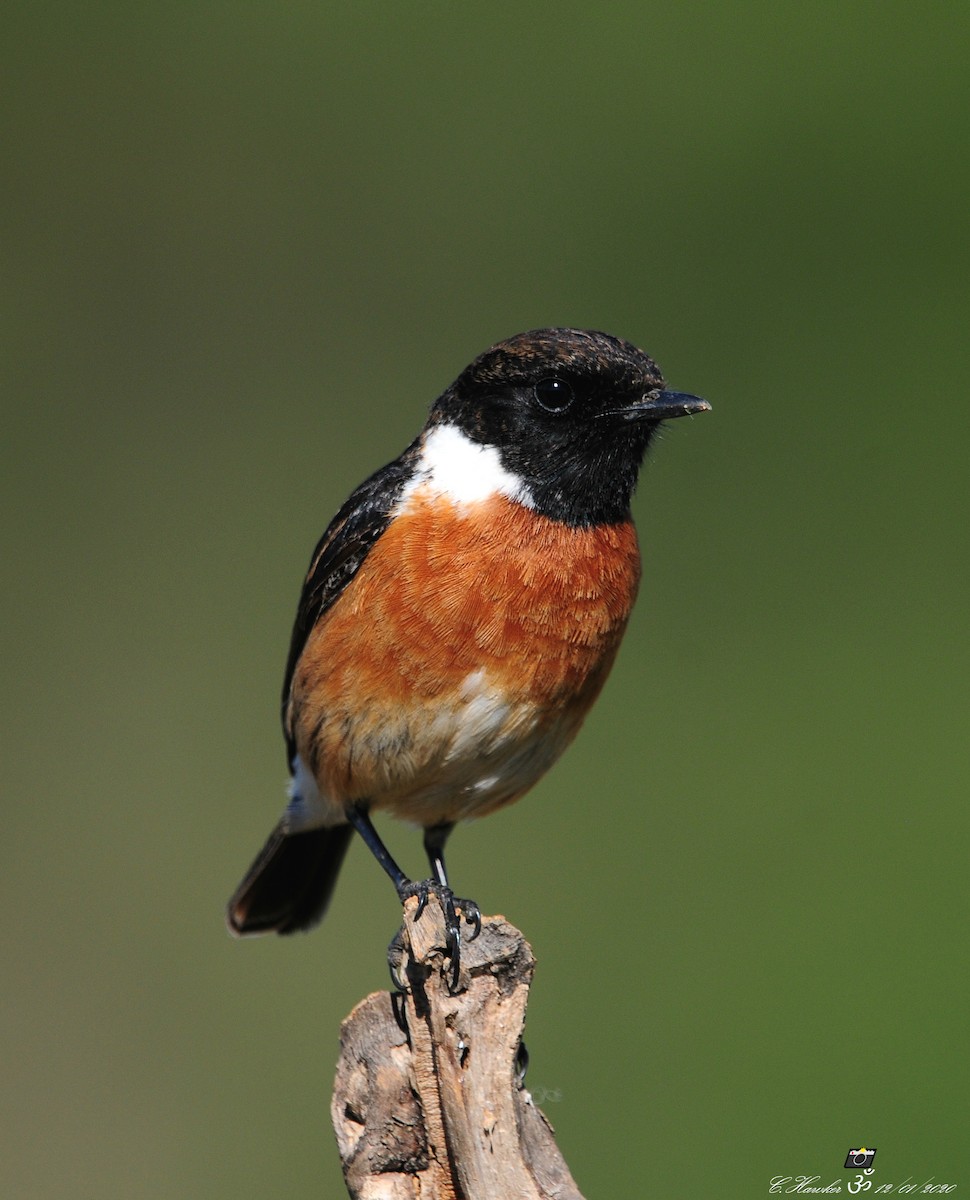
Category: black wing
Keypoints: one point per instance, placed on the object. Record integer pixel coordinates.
(340, 553)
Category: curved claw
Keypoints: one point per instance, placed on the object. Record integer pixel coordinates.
(452, 906)
(472, 914)
(395, 957)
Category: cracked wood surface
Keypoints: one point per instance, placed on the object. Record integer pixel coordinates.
(438, 1112)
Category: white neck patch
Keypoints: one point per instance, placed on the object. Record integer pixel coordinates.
(454, 466)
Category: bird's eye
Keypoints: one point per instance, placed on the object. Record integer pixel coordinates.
(554, 395)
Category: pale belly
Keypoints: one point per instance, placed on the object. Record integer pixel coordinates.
(454, 762)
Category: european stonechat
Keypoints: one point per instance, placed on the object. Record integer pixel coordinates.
(461, 614)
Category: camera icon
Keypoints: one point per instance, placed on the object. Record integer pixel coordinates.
(859, 1160)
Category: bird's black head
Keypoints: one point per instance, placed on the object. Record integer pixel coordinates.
(570, 412)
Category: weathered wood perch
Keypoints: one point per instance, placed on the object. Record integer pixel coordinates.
(439, 1112)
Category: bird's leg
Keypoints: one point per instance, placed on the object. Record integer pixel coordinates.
(435, 838)
(359, 817)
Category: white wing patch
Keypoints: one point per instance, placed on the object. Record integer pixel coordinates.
(454, 466)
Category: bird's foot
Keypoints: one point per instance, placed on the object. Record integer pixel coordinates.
(455, 910)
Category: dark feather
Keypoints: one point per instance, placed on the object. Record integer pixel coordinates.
(339, 555)
(288, 887)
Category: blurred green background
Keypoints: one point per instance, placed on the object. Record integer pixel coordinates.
(244, 247)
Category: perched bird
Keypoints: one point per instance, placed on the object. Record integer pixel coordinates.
(460, 614)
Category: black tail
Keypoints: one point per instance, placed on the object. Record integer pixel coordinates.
(289, 885)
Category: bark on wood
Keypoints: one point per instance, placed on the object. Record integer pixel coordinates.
(439, 1112)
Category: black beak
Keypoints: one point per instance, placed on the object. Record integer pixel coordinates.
(663, 406)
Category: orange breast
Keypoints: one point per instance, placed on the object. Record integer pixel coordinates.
(467, 637)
